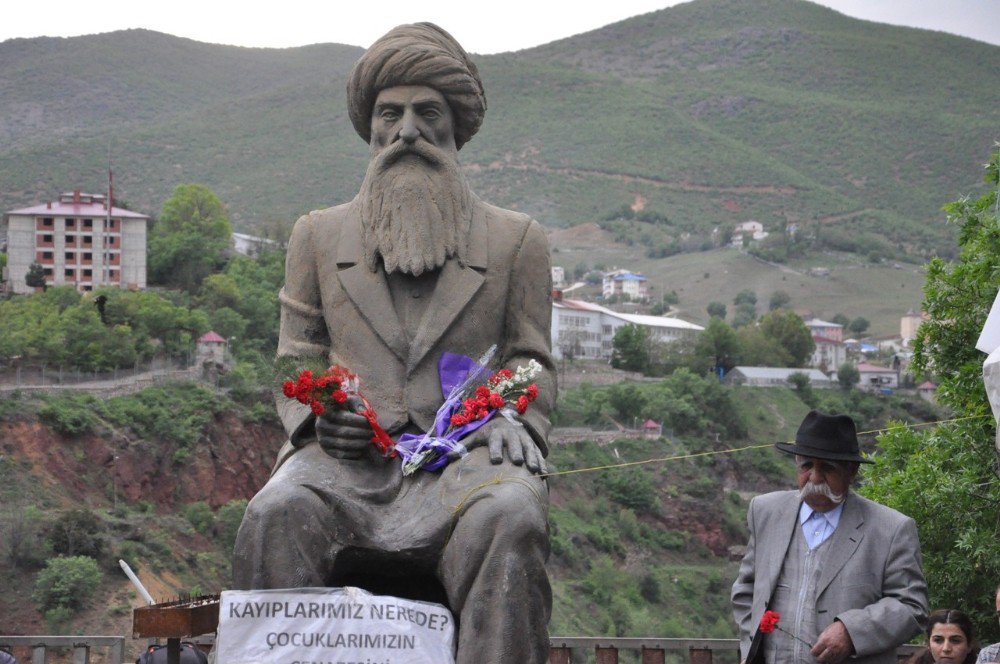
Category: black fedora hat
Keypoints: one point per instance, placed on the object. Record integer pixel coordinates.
(822, 436)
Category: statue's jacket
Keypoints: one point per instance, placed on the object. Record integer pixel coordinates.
(333, 304)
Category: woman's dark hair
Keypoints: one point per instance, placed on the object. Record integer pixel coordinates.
(951, 617)
(947, 617)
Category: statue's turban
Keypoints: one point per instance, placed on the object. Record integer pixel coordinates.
(418, 54)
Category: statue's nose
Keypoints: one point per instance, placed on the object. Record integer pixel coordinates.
(408, 131)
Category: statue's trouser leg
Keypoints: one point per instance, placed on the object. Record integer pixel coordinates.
(493, 569)
(282, 542)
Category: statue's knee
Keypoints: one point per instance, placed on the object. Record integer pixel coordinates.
(509, 510)
(277, 503)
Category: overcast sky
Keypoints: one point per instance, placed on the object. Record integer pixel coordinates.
(481, 27)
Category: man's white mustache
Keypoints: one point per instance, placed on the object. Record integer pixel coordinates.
(823, 489)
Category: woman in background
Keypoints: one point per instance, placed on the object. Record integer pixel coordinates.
(950, 640)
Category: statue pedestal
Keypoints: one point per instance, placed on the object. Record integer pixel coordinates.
(331, 625)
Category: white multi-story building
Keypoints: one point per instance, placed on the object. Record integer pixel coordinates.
(585, 330)
(77, 243)
(829, 354)
(628, 284)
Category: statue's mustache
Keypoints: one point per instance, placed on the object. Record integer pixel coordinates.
(388, 156)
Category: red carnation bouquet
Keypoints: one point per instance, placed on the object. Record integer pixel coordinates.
(502, 389)
(332, 389)
(470, 400)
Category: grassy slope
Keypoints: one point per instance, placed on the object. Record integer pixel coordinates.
(714, 111)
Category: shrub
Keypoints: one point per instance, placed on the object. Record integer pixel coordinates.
(71, 414)
(66, 583)
(228, 520)
(200, 516)
(631, 487)
(78, 533)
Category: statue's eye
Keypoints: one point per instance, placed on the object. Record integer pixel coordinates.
(430, 114)
(389, 115)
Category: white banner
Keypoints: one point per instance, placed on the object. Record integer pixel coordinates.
(331, 626)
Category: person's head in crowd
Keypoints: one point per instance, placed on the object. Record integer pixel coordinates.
(950, 638)
(997, 599)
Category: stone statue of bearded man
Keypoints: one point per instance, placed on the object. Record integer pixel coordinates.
(415, 266)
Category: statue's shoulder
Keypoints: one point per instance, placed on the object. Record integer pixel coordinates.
(326, 220)
(316, 226)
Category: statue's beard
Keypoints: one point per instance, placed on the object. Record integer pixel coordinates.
(415, 209)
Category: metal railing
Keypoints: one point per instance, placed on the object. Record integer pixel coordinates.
(654, 651)
(80, 645)
(651, 651)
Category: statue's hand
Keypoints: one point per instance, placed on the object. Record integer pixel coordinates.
(500, 434)
(343, 433)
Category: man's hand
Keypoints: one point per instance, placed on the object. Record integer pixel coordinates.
(500, 434)
(834, 645)
(343, 433)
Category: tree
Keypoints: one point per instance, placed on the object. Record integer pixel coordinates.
(66, 583)
(35, 277)
(848, 375)
(791, 333)
(745, 314)
(189, 240)
(630, 348)
(718, 346)
(716, 310)
(803, 387)
(858, 326)
(840, 319)
(756, 349)
(946, 478)
(779, 299)
(746, 308)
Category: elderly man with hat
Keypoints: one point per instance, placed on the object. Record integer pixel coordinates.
(414, 267)
(843, 572)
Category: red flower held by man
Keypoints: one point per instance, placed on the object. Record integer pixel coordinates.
(769, 621)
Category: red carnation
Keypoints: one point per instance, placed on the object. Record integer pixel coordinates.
(339, 396)
(522, 404)
(482, 392)
(496, 401)
(458, 420)
(288, 387)
(317, 408)
(532, 392)
(769, 621)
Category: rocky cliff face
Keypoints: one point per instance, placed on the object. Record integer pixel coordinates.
(232, 460)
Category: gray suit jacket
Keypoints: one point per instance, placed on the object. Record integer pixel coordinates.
(872, 580)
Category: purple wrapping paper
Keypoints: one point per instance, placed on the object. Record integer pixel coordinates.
(457, 374)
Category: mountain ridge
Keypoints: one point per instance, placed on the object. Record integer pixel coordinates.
(713, 112)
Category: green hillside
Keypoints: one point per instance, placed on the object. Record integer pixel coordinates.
(707, 114)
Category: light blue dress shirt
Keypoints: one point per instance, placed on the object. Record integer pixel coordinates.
(818, 526)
